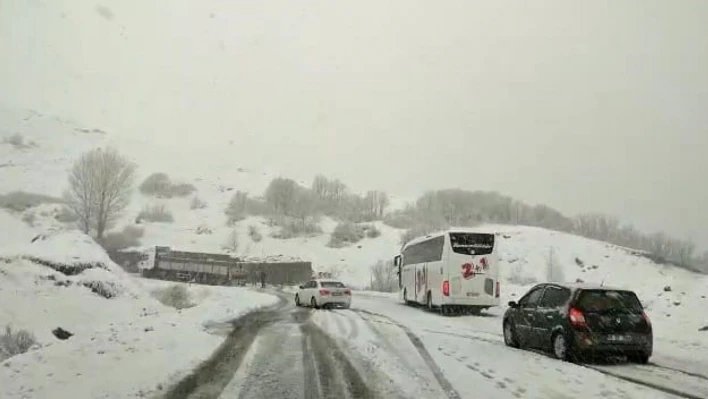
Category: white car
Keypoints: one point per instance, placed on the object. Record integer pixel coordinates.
(323, 293)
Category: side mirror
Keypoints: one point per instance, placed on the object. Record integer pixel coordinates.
(397, 260)
(301, 287)
(513, 304)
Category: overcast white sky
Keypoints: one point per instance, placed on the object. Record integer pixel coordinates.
(582, 105)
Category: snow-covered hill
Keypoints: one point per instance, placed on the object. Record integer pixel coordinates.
(51, 145)
(52, 279)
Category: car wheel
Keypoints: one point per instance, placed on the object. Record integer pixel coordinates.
(640, 358)
(297, 300)
(313, 303)
(561, 349)
(510, 335)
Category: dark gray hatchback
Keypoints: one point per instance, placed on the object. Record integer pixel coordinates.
(576, 320)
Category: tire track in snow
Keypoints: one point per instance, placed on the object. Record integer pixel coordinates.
(444, 383)
(647, 384)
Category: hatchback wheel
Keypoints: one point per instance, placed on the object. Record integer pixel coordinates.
(641, 358)
(313, 303)
(560, 347)
(510, 335)
(297, 300)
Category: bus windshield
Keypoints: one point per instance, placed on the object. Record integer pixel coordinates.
(472, 243)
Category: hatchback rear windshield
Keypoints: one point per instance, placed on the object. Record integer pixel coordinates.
(603, 301)
(331, 284)
(472, 243)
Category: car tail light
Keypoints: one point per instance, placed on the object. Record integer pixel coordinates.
(347, 292)
(324, 292)
(577, 318)
(646, 318)
(446, 288)
(498, 290)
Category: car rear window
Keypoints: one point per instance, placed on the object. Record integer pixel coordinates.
(331, 284)
(602, 301)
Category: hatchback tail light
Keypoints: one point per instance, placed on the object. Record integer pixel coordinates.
(577, 318)
(497, 292)
(446, 288)
(347, 292)
(324, 292)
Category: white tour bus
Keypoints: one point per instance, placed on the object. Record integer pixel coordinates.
(451, 270)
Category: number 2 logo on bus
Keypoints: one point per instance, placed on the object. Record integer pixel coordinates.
(469, 270)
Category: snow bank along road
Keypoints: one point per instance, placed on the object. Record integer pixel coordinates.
(382, 349)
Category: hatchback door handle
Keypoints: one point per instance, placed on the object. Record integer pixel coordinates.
(549, 317)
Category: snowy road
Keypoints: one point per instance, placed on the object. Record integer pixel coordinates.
(383, 349)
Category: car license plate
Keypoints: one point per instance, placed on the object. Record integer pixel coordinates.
(336, 294)
(618, 338)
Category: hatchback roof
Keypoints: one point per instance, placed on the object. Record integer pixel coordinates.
(587, 286)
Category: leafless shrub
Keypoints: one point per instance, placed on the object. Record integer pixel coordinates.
(197, 203)
(383, 277)
(157, 213)
(64, 215)
(292, 228)
(18, 141)
(159, 185)
(254, 233)
(175, 296)
(15, 342)
(346, 233)
(127, 238)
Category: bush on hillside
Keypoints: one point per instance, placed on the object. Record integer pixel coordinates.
(254, 233)
(197, 203)
(203, 230)
(15, 342)
(159, 185)
(346, 233)
(65, 215)
(20, 201)
(400, 220)
(419, 230)
(156, 213)
(242, 205)
(128, 237)
(105, 289)
(292, 228)
(29, 218)
(18, 141)
(175, 296)
(372, 231)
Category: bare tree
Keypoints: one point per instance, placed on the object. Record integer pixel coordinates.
(100, 186)
(279, 195)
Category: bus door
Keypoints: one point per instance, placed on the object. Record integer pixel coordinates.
(421, 282)
(397, 265)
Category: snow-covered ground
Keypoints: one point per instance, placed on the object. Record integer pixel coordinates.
(131, 337)
(469, 354)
